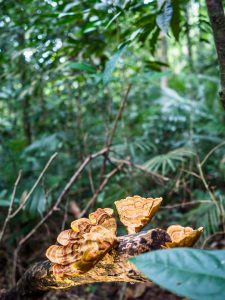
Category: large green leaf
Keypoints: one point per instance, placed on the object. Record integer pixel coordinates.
(193, 273)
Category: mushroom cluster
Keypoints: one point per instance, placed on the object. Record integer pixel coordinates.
(89, 239)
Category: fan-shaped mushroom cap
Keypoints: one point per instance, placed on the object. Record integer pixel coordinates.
(68, 237)
(80, 257)
(83, 245)
(136, 212)
(182, 236)
(104, 217)
(69, 270)
(81, 225)
(62, 255)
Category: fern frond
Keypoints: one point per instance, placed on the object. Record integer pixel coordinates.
(169, 161)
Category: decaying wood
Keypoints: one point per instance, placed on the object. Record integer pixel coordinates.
(114, 267)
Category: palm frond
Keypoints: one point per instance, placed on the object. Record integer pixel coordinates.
(169, 161)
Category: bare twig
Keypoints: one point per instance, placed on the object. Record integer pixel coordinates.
(201, 176)
(122, 291)
(55, 206)
(143, 169)
(64, 192)
(109, 138)
(65, 215)
(212, 196)
(15, 258)
(186, 203)
(191, 173)
(211, 152)
(212, 236)
(21, 206)
(121, 109)
(100, 188)
(90, 177)
(10, 206)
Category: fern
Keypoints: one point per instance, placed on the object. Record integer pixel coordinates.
(206, 215)
(168, 162)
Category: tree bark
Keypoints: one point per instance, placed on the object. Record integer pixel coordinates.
(217, 19)
(25, 103)
(114, 267)
(189, 42)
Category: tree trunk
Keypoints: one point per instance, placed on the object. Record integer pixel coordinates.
(25, 103)
(189, 42)
(114, 267)
(217, 19)
(163, 52)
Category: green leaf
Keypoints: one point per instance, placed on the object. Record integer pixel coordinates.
(164, 18)
(37, 203)
(47, 143)
(155, 65)
(153, 40)
(113, 19)
(176, 19)
(4, 203)
(82, 67)
(193, 273)
(111, 64)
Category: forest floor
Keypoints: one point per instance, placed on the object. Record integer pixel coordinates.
(109, 291)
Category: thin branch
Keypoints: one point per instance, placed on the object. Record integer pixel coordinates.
(122, 291)
(212, 236)
(55, 206)
(62, 194)
(65, 214)
(143, 169)
(10, 206)
(100, 188)
(191, 173)
(121, 109)
(21, 206)
(186, 203)
(212, 196)
(90, 177)
(211, 151)
(68, 186)
(108, 142)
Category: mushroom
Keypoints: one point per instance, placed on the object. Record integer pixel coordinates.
(136, 212)
(84, 245)
(182, 236)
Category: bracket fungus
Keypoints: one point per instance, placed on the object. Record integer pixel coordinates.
(90, 239)
(136, 212)
(182, 236)
(84, 245)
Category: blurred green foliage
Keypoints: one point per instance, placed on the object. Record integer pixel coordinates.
(65, 66)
